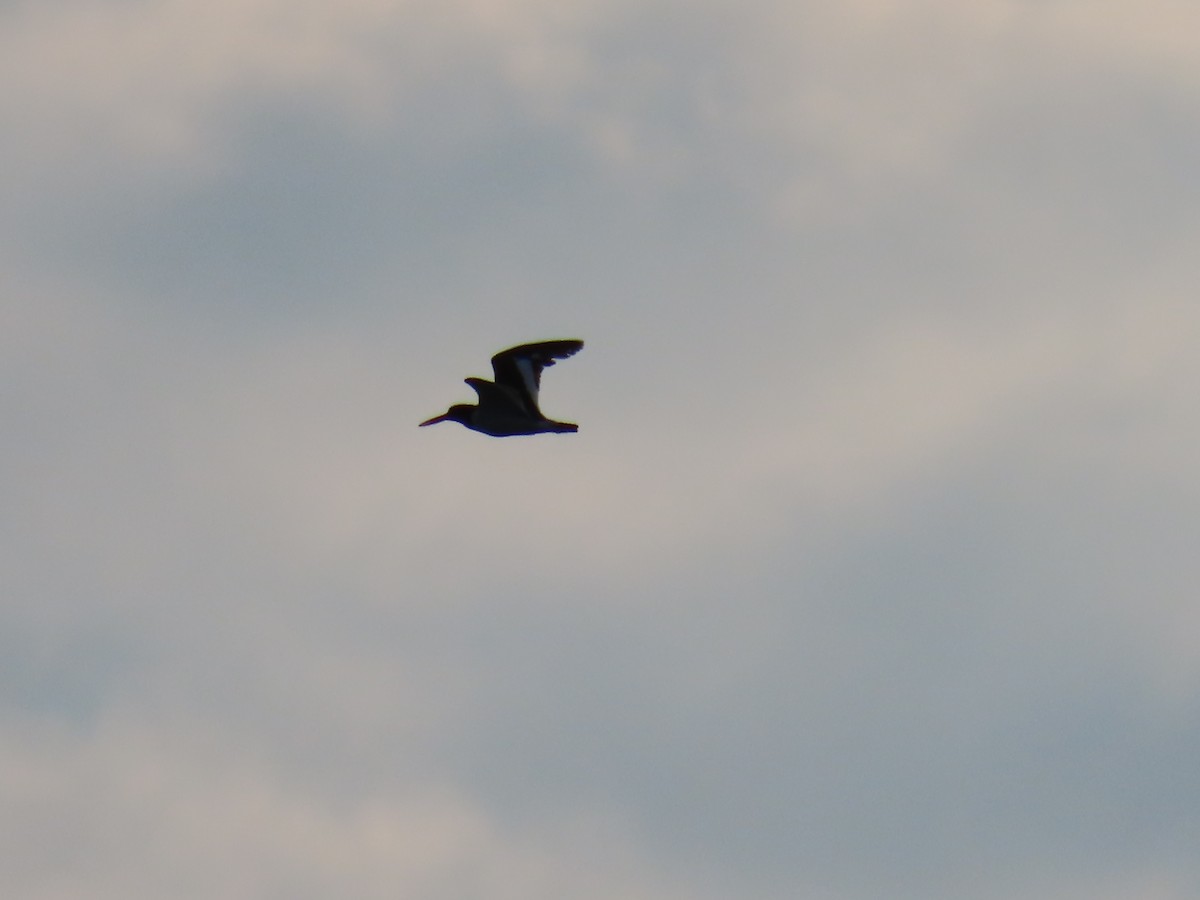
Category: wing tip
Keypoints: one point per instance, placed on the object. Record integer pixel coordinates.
(558, 349)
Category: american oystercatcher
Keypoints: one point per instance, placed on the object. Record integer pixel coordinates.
(508, 405)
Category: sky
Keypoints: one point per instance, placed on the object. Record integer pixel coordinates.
(870, 572)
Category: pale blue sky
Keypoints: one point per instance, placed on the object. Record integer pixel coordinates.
(870, 572)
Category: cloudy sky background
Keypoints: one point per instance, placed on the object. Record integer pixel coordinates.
(870, 573)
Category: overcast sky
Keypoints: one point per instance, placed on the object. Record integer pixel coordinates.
(871, 572)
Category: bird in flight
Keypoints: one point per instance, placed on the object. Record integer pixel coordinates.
(509, 405)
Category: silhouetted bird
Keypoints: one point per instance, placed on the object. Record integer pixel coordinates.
(509, 405)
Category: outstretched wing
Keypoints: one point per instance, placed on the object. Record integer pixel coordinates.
(497, 398)
(520, 368)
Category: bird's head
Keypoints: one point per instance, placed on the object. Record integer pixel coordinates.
(459, 412)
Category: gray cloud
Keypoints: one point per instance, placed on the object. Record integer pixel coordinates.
(868, 573)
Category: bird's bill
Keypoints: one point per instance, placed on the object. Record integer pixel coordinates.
(442, 418)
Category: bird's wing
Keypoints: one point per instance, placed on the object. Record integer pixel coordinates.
(520, 368)
(498, 398)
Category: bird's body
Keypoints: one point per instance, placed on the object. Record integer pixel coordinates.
(508, 406)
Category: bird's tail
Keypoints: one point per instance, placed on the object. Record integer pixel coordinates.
(563, 427)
